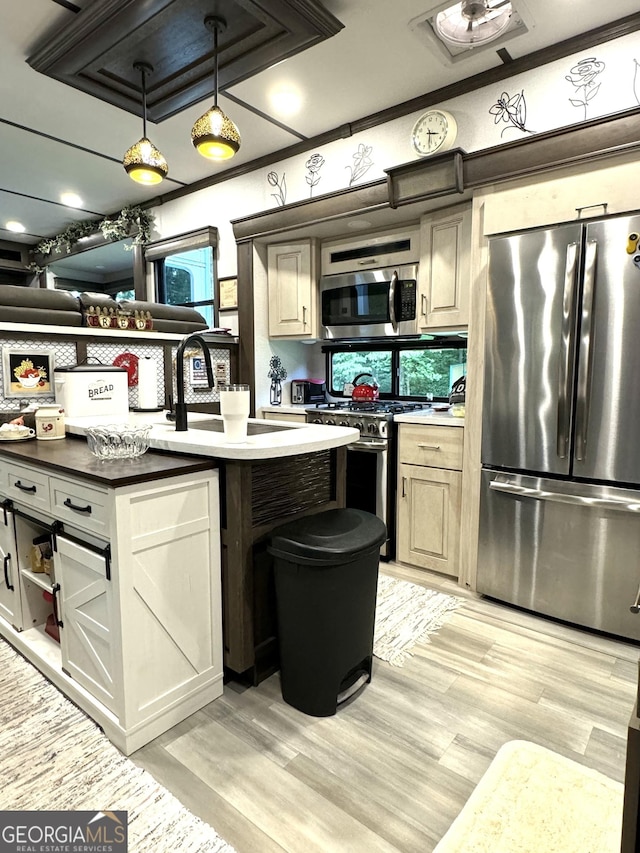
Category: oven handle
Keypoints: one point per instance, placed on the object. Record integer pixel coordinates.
(369, 446)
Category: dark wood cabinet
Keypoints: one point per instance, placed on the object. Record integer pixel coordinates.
(257, 497)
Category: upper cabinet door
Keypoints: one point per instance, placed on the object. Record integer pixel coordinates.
(445, 268)
(292, 282)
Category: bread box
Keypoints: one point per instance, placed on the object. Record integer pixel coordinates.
(83, 390)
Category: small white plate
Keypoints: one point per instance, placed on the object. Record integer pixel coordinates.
(6, 437)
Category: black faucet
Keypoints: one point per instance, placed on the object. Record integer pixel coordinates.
(181, 406)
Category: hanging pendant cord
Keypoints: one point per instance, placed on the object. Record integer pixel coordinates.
(215, 65)
(144, 103)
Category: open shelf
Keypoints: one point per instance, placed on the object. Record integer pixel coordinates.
(40, 579)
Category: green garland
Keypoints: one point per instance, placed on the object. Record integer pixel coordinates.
(130, 217)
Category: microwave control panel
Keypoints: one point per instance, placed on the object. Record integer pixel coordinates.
(407, 300)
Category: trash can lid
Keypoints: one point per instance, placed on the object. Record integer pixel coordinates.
(328, 538)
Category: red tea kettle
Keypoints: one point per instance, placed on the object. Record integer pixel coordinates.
(366, 392)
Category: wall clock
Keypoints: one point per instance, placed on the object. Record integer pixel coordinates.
(435, 130)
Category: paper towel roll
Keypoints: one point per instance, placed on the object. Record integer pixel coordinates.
(147, 384)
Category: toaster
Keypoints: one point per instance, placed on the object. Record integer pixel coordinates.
(307, 391)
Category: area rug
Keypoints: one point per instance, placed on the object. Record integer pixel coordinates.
(532, 800)
(54, 758)
(405, 615)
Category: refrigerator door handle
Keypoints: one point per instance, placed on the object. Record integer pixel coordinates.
(566, 351)
(584, 366)
(560, 497)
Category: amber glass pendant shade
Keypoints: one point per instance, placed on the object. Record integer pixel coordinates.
(214, 135)
(143, 162)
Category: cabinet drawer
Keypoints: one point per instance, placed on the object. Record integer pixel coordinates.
(435, 446)
(80, 506)
(26, 486)
(292, 417)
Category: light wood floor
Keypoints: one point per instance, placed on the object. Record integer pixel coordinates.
(396, 764)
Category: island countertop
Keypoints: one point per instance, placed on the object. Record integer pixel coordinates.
(275, 440)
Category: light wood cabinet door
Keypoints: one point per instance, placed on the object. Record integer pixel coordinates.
(445, 268)
(292, 288)
(428, 533)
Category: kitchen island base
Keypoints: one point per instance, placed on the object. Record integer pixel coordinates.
(134, 587)
(257, 497)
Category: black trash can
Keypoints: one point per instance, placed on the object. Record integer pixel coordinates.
(326, 577)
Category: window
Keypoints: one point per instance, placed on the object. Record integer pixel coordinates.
(185, 271)
(187, 278)
(417, 370)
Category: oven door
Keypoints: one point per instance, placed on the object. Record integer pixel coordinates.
(369, 485)
(370, 304)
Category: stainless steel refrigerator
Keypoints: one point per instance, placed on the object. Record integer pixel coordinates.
(560, 500)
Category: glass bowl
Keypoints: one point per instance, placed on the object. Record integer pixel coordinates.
(118, 441)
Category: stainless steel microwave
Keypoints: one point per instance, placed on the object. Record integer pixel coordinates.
(370, 303)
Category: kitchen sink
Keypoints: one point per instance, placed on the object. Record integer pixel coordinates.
(252, 428)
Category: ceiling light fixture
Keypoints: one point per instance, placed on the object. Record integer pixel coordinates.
(143, 162)
(286, 101)
(14, 225)
(214, 135)
(71, 199)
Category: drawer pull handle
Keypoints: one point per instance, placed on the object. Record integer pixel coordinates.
(22, 488)
(70, 505)
(635, 607)
(404, 487)
(429, 446)
(8, 583)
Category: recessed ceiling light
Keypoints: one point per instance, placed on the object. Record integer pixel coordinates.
(18, 227)
(71, 199)
(358, 224)
(286, 100)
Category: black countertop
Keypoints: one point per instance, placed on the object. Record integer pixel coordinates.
(70, 456)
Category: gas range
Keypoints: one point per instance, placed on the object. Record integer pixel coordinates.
(373, 419)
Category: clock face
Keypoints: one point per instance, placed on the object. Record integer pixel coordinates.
(434, 131)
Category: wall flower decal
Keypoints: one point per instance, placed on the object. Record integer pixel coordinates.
(583, 78)
(280, 184)
(313, 166)
(512, 110)
(362, 162)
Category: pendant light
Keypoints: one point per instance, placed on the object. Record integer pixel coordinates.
(143, 162)
(214, 135)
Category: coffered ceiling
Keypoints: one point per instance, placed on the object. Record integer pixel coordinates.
(70, 101)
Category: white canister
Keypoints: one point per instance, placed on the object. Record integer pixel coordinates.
(84, 390)
(50, 422)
